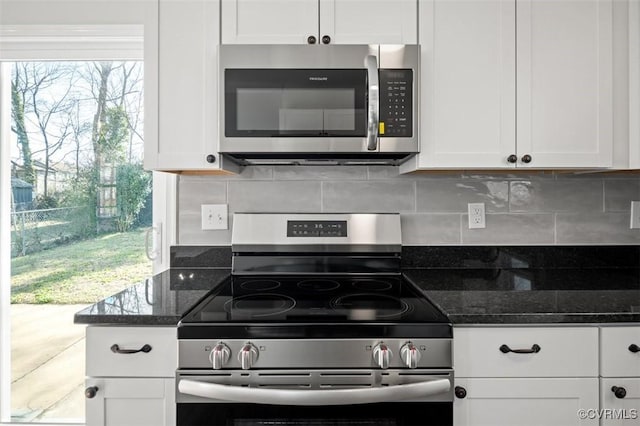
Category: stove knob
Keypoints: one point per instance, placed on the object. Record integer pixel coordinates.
(410, 355)
(247, 356)
(219, 355)
(382, 355)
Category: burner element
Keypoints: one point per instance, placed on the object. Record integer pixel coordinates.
(372, 285)
(379, 305)
(260, 305)
(260, 285)
(318, 285)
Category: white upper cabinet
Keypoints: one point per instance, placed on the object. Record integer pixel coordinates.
(369, 21)
(319, 21)
(634, 84)
(269, 21)
(515, 83)
(468, 83)
(564, 89)
(187, 64)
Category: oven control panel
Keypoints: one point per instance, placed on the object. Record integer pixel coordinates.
(316, 228)
(396, 103)
(312, 353)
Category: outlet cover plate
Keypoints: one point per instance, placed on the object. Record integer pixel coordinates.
(214, 217)
(635, 215)
(476, 215)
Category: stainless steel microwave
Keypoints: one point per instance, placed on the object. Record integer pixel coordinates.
(337, 104)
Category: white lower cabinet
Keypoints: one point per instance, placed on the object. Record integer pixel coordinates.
(130, 376)
(526, 376)
(130, 402)
(525, 402)
(620, 375)
(620, 401)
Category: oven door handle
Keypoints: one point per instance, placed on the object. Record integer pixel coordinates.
(371, 63)
(406, 392)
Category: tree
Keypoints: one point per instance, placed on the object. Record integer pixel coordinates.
(133, 184)
(19, 88)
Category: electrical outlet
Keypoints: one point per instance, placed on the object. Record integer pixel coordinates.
(214, 216)
(476, 215)
(635, 214)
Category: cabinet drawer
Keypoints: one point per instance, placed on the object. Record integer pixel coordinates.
(563, 352)
(160, 361)
(618, 360)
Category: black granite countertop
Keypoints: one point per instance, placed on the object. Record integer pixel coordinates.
(161, 300)
(472, 285)
(532, 295)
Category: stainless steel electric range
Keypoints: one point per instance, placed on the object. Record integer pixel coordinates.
(315, 326)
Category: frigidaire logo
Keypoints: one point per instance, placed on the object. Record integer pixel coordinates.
(318, 78)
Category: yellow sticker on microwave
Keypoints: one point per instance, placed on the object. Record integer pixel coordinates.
(381, 128)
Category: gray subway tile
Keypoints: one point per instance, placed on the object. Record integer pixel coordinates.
(511, 229)
(551, 195)
(194, 191)
(320, 173)
(422, 229)
(599, 228)
(618, 194)
(453, 195)
(190, 230)
(274, 196)
(368, 196)
(393, 172)
(251, 173)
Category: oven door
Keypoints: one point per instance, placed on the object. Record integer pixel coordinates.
(318, 397)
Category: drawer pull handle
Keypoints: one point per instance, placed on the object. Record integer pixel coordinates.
(534, 350)
(634, 348)
(619, 392)
(116, 350)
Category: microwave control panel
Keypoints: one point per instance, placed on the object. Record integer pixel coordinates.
(396, 103)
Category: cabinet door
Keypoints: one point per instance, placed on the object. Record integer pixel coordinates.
(131, 402)
(467, 83)
(620, 411)
(564, 88)
(525, 402)
(187, 127)
(369, 21)
(634, 84)
(269, 21)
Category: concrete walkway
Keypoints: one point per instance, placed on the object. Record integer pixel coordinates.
(47, 363)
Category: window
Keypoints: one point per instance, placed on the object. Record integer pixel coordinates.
(75, 202)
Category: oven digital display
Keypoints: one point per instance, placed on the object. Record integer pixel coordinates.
(316, 228)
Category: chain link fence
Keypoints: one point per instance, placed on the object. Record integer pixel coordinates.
(35, 230)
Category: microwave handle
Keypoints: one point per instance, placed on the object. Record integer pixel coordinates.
(371, 395)
(371, 63)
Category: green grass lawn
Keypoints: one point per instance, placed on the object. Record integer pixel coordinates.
(81, 272)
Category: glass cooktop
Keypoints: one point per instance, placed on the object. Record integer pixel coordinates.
(326, 299)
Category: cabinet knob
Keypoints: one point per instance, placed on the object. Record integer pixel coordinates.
(619, 392)
(460, 392)
(326, 39)
(634, 348)
(211, 158)
(526, 159)
(311, 39)
(91, 391)
(512, 158)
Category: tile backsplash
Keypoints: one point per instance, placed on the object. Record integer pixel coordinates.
(535, 208)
